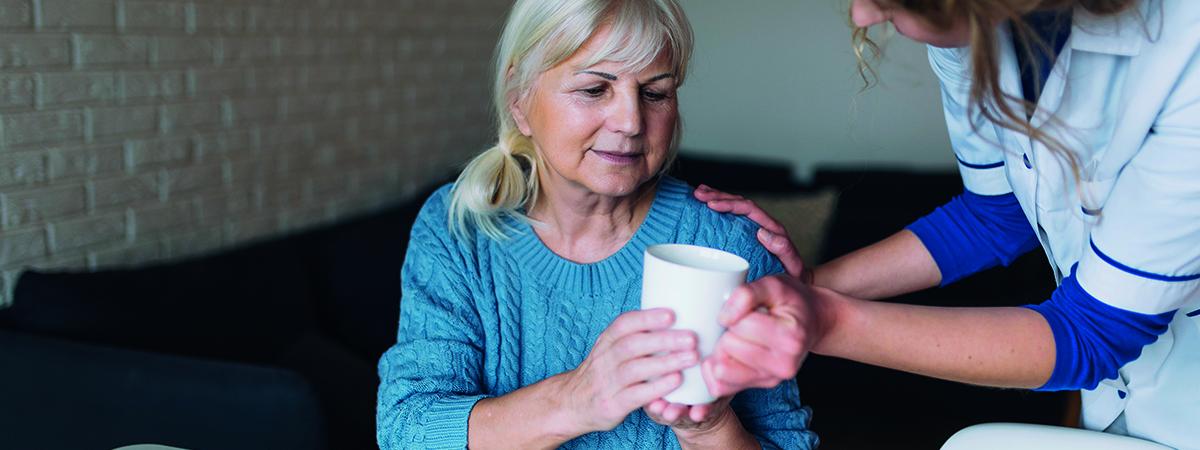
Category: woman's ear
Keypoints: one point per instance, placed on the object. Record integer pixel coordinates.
(517, 110)
(516, 107)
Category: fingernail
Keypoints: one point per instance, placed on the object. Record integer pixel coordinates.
(766, 236)
(685, 340)
(686, 358)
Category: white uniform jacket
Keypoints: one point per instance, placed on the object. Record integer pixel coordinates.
(1127, 89)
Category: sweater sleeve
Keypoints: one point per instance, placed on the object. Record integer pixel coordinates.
(774, 416)
(432, 378)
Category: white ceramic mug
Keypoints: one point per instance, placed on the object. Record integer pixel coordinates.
(694, 282)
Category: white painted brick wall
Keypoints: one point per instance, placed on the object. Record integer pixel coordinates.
(136, 131)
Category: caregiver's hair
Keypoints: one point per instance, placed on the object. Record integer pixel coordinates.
(986, 96)
(539, 35)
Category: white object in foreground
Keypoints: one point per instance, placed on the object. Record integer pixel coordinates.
(1008, 436)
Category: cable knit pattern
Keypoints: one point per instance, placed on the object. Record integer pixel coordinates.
(484, 318)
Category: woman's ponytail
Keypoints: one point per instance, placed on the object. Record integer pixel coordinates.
(497, 184)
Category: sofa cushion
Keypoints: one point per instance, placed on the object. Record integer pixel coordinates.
(63, 394)
(243, 305)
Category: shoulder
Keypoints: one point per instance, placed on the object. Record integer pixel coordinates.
(431, 231)
(438, 202)
(709, 224)
(735, 234)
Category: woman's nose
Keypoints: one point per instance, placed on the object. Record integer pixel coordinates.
(625, 117)
(866, 13)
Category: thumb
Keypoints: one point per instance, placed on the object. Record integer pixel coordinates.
(742, 301)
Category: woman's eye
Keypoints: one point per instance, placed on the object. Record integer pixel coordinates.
(593, 91)
(652, 96)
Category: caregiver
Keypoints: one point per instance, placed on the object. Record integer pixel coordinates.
(1076, 125)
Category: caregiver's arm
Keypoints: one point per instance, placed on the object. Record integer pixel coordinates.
(894, 266)
(1007, 347)
(970, 233)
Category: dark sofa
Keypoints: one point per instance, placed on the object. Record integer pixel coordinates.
(288, 332)
(274, 344)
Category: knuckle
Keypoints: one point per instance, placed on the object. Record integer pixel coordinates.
(624, 347)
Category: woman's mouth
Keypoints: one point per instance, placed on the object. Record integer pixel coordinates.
(618, 157)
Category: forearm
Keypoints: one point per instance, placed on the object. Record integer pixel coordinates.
(1002, 347)
(727, 434)
(894, 266)
(530, 417)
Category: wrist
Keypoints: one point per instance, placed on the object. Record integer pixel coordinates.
(561, 418)
(720, 433)
(833, 312)
(823, 275)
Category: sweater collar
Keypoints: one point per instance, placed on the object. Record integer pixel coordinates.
(539, 263)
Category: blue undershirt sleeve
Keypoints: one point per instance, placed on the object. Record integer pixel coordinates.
(1092, 339)
(975, 232)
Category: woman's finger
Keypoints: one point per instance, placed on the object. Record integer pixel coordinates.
(766, 331)
(760, 216)
(634, 345)
(638, 370)
(655, 408)
(634, 322)
(769, 359)
(783, 248)
(699, 413)
(673, 412)
(744, 300)
(640, 394)
(743, 350)
(706, 194)
(726, 376)
(739, 377)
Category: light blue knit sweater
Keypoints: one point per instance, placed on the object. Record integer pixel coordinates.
(484, 318)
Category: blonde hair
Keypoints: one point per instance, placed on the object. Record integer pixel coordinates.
(540, 34)
(986, 97)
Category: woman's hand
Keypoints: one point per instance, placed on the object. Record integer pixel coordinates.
(773, 236)
(772, 324)
(689, 419)
(709, 426)
(636, 360)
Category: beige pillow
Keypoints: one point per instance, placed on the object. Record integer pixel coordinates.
(806, 217)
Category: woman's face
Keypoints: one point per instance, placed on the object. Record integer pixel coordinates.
(866, 13)
(598, 128)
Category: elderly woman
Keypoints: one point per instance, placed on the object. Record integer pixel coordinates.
(519, 322)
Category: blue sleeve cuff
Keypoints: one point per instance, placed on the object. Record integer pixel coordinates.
(975, 232)
(1092, 340)
(446, 426)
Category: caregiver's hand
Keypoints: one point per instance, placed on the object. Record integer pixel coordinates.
(612, 381)
(772, 235)
(772, 324)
